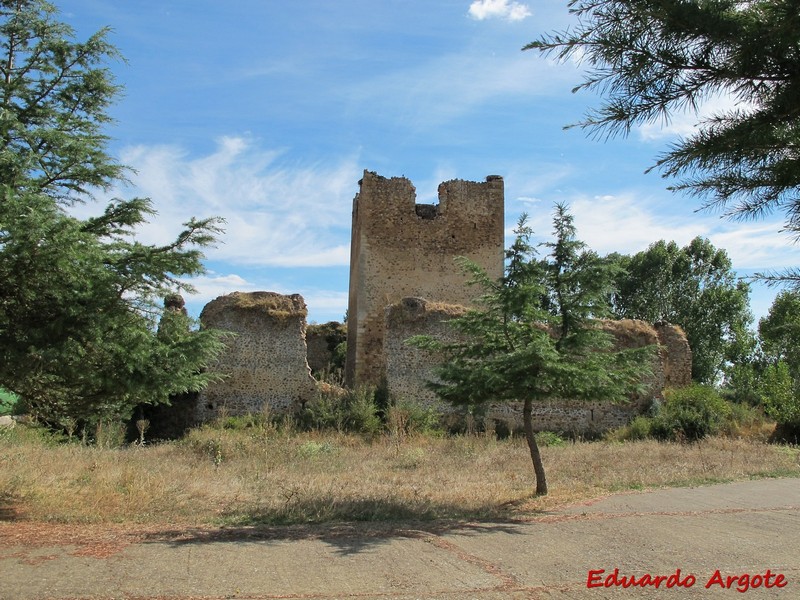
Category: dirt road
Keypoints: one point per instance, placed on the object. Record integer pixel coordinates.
(693, 542)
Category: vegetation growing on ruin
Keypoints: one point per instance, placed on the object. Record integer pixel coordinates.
(267, 304)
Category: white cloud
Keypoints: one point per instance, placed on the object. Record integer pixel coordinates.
(756, 246)
(426, 95)
(628, 223)
(327, 305)
(277, 212)
(684, 123)
(212, 285)
(500, 9)
(622, 223)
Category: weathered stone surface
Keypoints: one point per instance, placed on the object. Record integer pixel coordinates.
(408, 369)
(678, 355)
(401, 249)
(265, 361)
(321, 341)
(6, 421)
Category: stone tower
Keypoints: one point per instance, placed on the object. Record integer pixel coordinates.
(401, 249)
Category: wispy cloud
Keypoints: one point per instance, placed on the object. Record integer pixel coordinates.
(498, 9)
(685, 123)
(454, 85)
(625, 223)
(277, 212)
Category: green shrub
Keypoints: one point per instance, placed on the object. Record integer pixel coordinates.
(408, 418)
(640, 428)
(690, 413)
(31, 433)
(550, 438)
(8, 402)
(354, 411)
(779, 395)
(742, 420)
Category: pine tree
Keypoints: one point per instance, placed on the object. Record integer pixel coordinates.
(536, 335)
(652, 59)
(80, 299)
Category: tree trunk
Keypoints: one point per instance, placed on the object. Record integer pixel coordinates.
(536, 458)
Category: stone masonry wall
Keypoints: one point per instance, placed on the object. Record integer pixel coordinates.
(265, 361)
(322, 340)
(678, 355)
(401, 249)
(409, 368)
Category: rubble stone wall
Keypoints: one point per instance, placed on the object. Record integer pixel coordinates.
(265, 361)
(402, 249)
(408, 369)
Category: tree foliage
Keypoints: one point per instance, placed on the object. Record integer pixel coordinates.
(536, 335)
(780, 373)
(694, 287)
(780, 331)
(651, 59)
(80, 298)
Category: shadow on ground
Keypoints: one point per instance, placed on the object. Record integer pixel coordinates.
(8, 512)
(346, 538)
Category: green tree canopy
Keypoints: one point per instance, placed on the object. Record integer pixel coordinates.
(535, 335)
(780, 331)
(694, 287)
(80, 298)
(651, 59)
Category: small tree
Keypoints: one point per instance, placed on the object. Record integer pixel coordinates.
(536, 335)
(779, 395)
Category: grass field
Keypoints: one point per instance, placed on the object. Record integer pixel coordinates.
(264, 475)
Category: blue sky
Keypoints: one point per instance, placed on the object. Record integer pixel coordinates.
(266, 113)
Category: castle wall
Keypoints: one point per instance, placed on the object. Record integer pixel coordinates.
(265, 361)
(322, 341)
(401, 249)
(408, 369)
(678, 355)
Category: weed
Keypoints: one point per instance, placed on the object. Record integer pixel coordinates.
(549, 438)
(8, 402)
(312, 449)
(240, 476)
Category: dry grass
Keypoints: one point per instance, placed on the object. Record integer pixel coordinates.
(265, 476)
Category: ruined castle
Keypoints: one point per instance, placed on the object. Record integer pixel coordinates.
(402, 249)
(404, 281)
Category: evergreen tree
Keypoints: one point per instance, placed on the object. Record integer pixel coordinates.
(80, 299)
(536, 335)
(650, 59)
